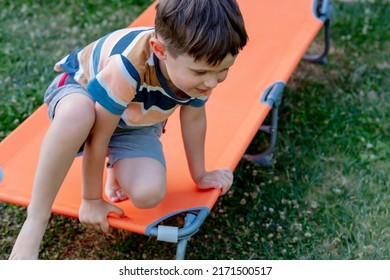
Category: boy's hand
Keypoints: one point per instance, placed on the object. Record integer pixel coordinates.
(218, 179)
(93, 213)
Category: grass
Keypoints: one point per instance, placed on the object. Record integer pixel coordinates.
(324, 197)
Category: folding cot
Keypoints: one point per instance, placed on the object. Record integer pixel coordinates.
(280, 32)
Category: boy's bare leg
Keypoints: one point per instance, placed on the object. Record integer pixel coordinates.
(112, 189)
(143, 179)
(73, 121)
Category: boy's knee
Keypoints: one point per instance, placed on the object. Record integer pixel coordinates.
(77, 109)
(148, 197)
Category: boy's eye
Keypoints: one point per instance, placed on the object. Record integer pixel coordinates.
(200, 73)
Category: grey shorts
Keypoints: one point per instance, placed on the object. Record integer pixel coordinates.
(126, 142)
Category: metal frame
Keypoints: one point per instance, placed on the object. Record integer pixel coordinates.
(192, 222)
(273, 95)
(323, 11)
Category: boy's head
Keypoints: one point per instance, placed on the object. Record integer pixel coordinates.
(207, 30)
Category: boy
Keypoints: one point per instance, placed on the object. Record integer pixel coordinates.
(113, 99)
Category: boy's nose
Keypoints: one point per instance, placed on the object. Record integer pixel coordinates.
(211, 82)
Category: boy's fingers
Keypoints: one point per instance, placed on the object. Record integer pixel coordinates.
(226, 173)
(104, 226)
(115, 209)
(225, 190)
(229, 174)
(211, 184)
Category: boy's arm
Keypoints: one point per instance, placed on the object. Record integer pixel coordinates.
(94, 210)
(193, 126)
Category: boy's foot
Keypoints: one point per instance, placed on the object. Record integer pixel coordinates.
(27, 244)
(115, 194)
(112, 190)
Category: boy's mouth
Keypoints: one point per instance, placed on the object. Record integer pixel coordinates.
(205, 92)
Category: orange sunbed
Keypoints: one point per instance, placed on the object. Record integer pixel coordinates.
(280, 32)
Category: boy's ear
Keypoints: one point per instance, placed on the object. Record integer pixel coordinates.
(158, 47)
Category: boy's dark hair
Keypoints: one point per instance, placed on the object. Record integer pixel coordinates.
(207, 30)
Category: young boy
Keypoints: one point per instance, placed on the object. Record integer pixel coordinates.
(113, 99)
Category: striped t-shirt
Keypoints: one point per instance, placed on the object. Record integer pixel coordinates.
(121, 72)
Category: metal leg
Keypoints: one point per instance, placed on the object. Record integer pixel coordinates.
(181, 249)
(265, 158)
(323, 57)
(273, 97)
(182, 244)
(324, 13)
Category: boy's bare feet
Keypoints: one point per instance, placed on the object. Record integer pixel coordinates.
(112, 189)
(29, 239)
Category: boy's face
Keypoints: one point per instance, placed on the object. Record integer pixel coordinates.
(195, 78)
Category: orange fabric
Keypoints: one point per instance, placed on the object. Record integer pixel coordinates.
(279, 33)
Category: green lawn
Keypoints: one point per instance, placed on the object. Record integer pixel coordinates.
(326, 195)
